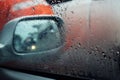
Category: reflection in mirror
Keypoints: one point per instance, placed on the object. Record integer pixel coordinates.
(36, 35)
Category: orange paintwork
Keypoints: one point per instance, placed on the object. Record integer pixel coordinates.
(6, 12)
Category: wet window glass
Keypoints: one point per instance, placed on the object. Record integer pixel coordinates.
(92, 40)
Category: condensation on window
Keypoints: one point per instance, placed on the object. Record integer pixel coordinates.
(93, 32)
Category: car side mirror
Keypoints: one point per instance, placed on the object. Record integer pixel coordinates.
(33, 35)
(36, 35)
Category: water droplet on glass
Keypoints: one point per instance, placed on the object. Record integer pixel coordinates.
(118, 52)
(72, 12)
(104, 55)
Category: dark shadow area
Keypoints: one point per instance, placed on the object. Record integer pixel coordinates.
(45, 76)
(4, 76)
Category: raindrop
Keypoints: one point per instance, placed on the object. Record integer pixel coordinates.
(105, 56)
(96, 48)
(65, 9)
(79, 45)
(109, 57)
(75, 48)
(118, 52)
(115, 60)
(90, 52)
(72, 12)
(71, 46)
(33, 8)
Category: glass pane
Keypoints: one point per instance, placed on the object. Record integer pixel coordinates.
(36, 35)
(92, 42)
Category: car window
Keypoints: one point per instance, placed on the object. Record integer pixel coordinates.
(92, 42)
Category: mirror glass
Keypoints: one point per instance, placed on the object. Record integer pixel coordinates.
(36, 35)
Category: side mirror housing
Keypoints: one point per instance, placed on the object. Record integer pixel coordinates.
(31, 35)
